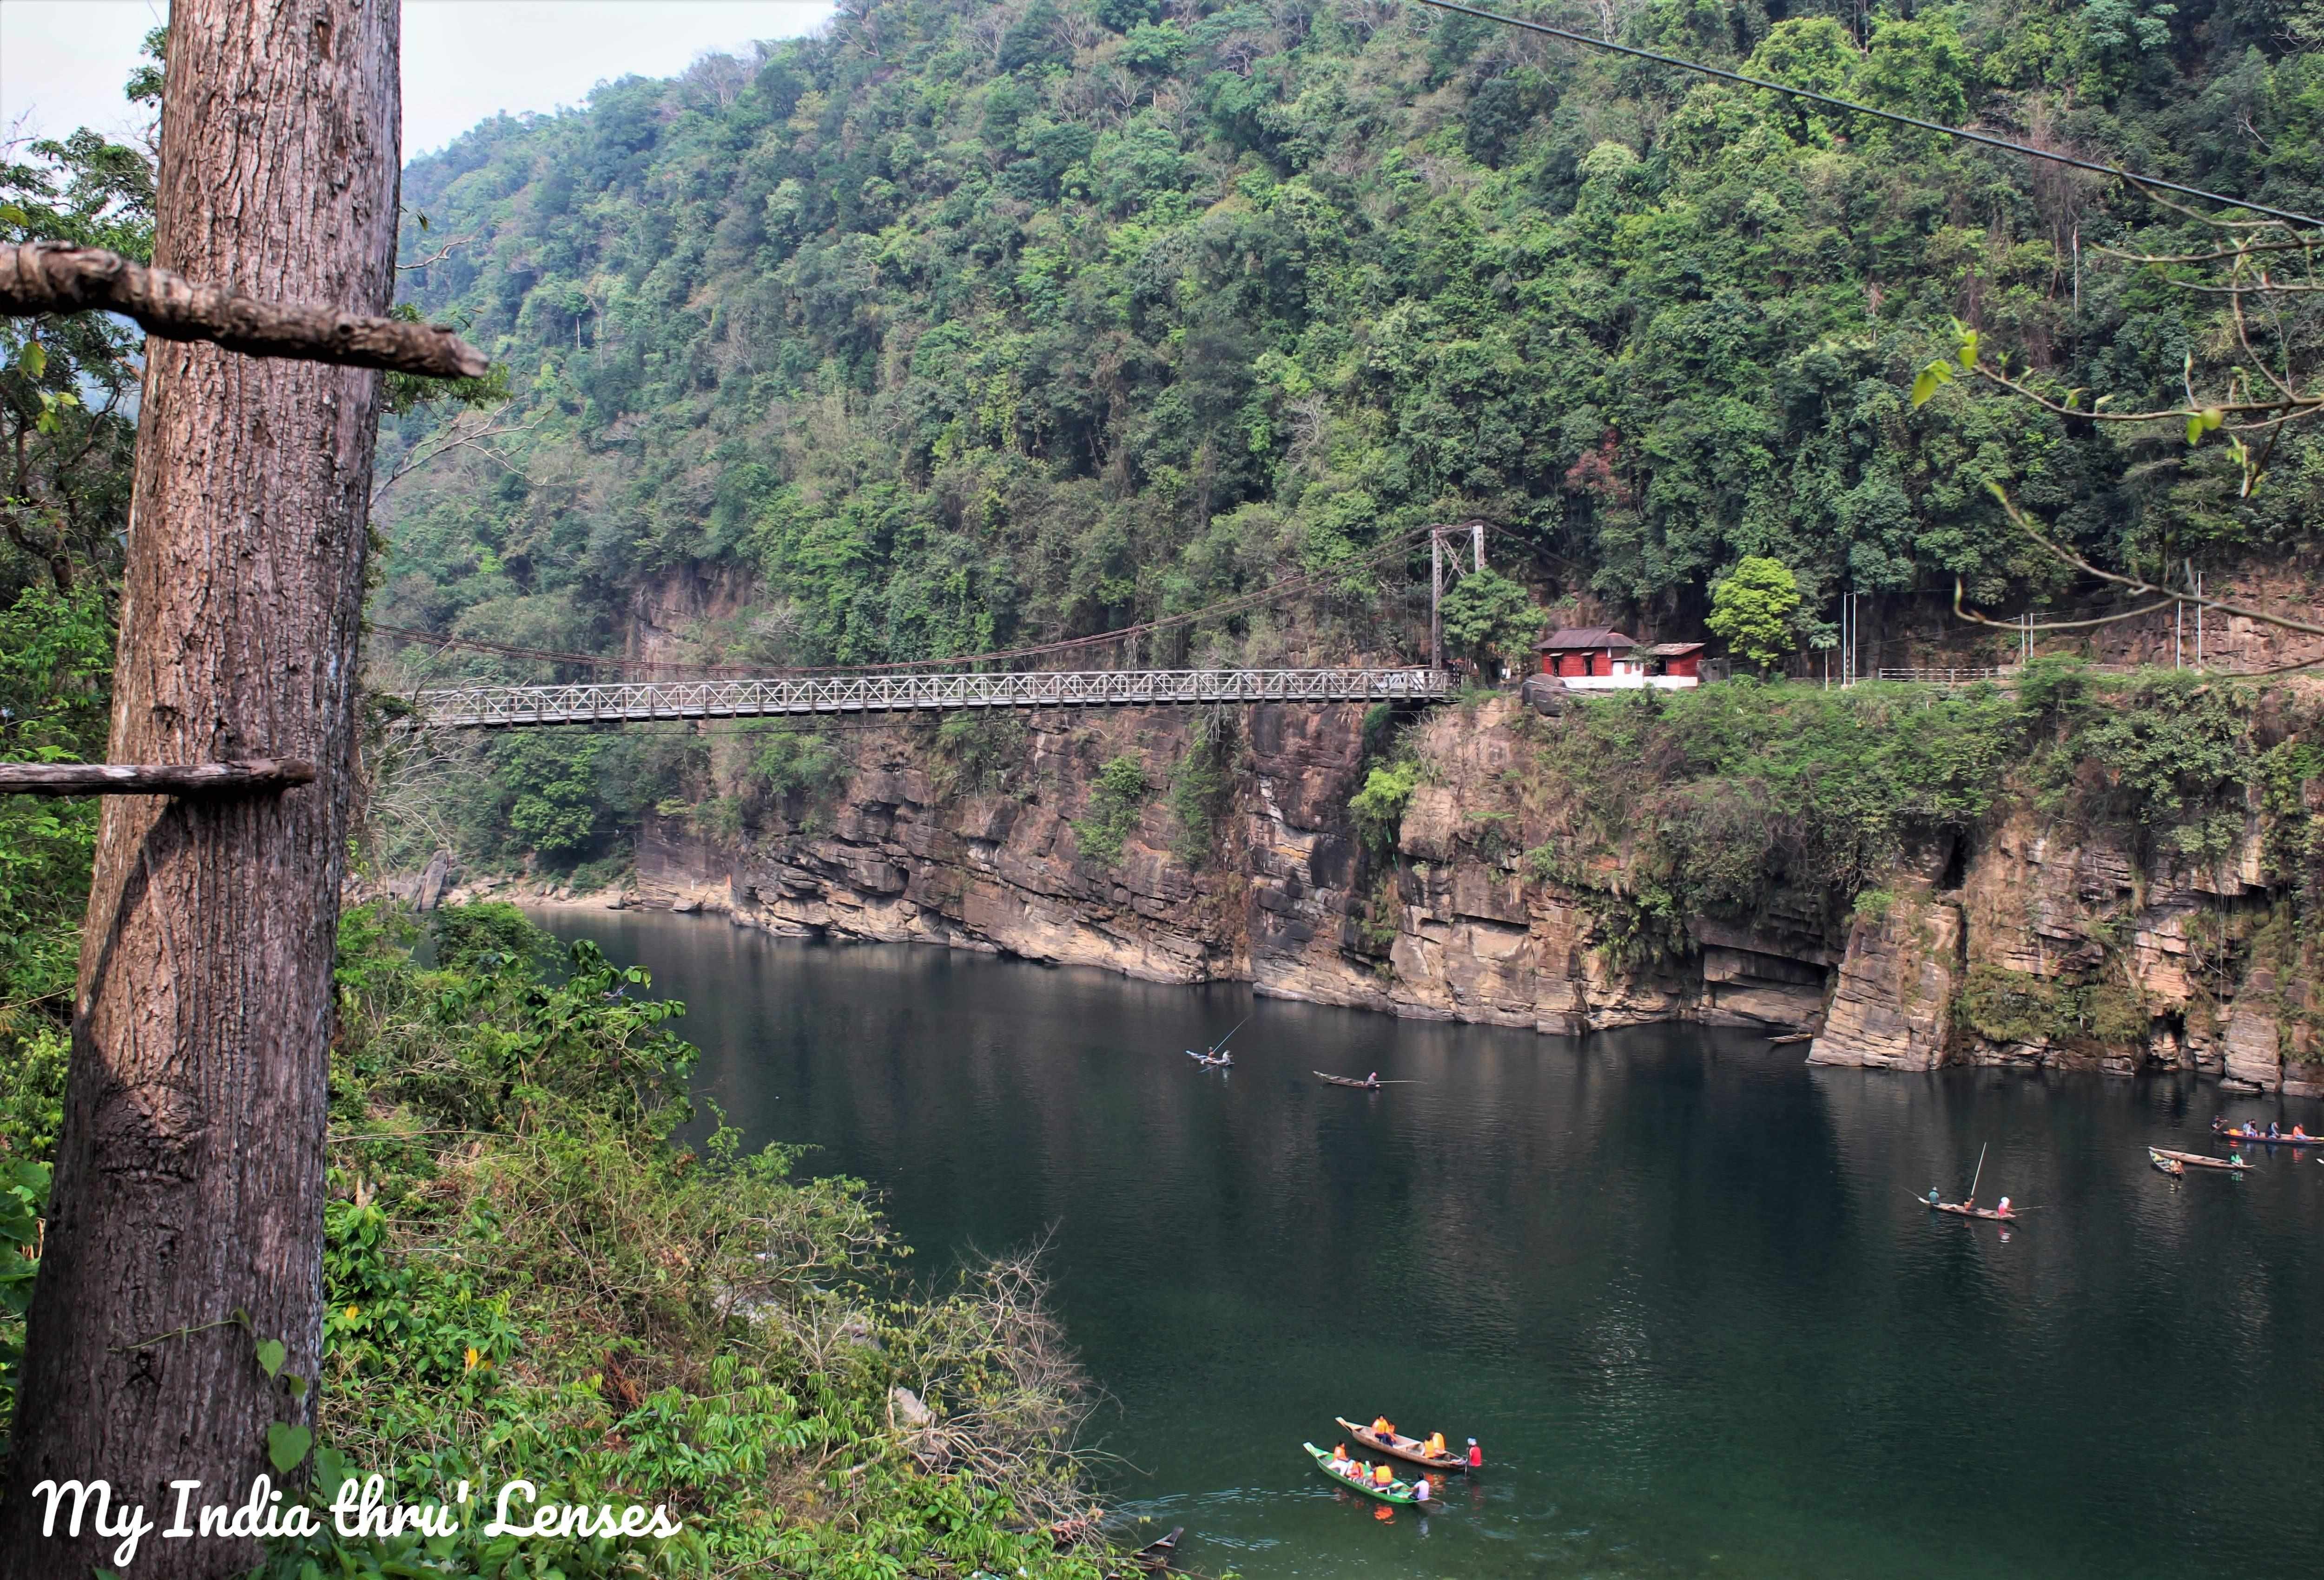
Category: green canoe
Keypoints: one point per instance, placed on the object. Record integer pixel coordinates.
(1394, 1492)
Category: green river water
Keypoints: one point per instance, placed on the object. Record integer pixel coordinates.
(1673, 1280)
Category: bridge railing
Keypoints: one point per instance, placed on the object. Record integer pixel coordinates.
(501, 707)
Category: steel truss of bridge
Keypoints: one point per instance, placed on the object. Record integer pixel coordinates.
(509, 707)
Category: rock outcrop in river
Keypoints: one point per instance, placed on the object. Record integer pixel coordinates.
(1981, 954)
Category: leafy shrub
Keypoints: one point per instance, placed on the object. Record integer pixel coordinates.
(526, 1280)
(2005, 1006)
(1202, 786)
(1378, 806)
(1666, 806)
(1116, 802)
(977, 751)
(799, 762)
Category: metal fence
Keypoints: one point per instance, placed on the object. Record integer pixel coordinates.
(504, 707)
(1941, 677)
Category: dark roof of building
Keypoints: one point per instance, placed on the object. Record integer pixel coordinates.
(1671, 649)
(1588, 638)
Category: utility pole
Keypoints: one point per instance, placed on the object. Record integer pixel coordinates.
(1436, 599)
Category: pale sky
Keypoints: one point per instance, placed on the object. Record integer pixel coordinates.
(62, 63)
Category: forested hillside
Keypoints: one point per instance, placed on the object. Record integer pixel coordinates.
(959, 326)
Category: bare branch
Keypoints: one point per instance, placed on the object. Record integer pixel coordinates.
(253, 776)
(1963, 612)
(451, 438)
(438, 256)
(56, 277)
(2288, 411)
(2139, 584)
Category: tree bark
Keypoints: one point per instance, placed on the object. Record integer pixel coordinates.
(188, 1183)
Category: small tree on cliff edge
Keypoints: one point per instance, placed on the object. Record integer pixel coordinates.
(1752, 610)
(1488, 614)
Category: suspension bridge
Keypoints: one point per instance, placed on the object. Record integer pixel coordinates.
(513, 707)
(901, 689)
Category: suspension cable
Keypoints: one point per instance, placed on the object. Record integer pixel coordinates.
(1236, 605)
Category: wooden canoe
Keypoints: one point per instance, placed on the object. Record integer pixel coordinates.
(1361, 1086)
(1223, 1062)
(1962, 1210)
(2240, 1139)
(2171, 1166)
(1156, 1554)
(1408, 1449)
(2232, 1165)
(1396, 1491)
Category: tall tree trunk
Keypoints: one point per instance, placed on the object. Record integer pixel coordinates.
(190, 1171)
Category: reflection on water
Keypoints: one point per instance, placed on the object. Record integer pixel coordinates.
(1678, 1284)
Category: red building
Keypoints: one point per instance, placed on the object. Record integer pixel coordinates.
(1674, 658)
(1592, 650)
(1601, 659)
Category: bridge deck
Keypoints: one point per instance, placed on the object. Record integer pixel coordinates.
(504, 707)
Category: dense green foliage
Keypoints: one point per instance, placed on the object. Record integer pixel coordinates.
(525, 1278)
(963, 325)
(959, 327)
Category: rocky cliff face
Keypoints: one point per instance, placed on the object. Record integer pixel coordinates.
(2026, 949)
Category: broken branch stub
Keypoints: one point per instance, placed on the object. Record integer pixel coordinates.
(57, 277)
(251, 777)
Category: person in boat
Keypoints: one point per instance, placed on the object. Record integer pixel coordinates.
(2002, 1210)
(1372, 1079)
(2274, 1131)
(1340, 1464)
(2299, 1133)
(1434, 1445)
(1382, 1427)
(2250, 1130)
(1421, 1489)
(1933, 1197)
(1476, 1456)
(1381, 1476)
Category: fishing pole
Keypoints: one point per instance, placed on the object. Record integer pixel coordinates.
(1971, 1199)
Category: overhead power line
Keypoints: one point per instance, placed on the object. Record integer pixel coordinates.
(1987, 139)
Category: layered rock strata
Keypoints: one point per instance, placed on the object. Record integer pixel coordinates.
(1455, 926)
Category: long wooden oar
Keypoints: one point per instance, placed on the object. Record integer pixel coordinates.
(1979, 1175)
(1223, 1041)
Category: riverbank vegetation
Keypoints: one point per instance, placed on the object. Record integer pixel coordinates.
(528, 1279)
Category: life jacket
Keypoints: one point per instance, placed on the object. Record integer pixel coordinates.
(1383, 1475)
